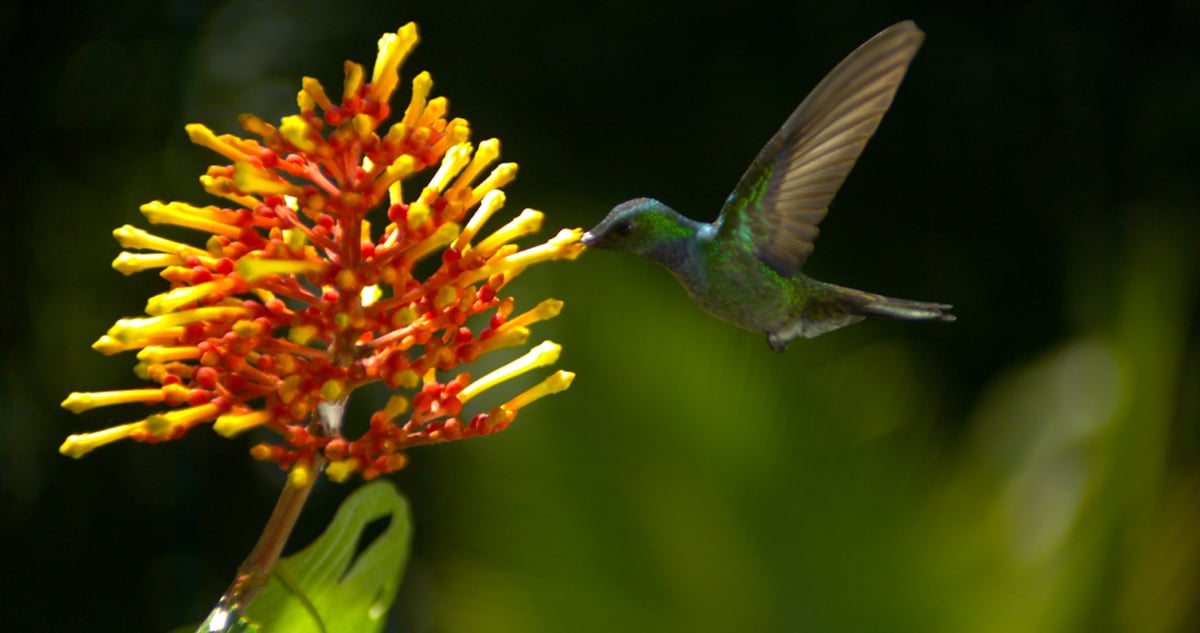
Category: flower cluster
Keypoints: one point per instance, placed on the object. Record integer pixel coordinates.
(294, 301)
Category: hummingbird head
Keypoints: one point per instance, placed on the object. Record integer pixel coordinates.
(642, 226)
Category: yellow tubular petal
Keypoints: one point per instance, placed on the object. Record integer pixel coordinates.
(354, 79)
(393, 48)
(558, 381)
(545, 353)
(174, 299)
(506, 337)
(128, 263)
(129, 330)
(443, 236)
(487, 154)
(129, 236)
(529, 221)
(422, 84)
(251, 268)
(185, 215)
(300, 476)
(234, 424)
(224, 145)
(400, 168)
(298, 132)
(225, 188)
(255, 125)
(434, 110)
(341, 471)
(78, 402)
(316, 92)
(565, 245)
(251, 179)
(503, 174)
(156, 354)
(79, 445)
(455, 161)
(162, 424)
(547, 309)
(490, 204)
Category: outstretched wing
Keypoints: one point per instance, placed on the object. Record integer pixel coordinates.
(784, 195)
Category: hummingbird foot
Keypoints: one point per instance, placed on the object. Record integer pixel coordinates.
(777, 343)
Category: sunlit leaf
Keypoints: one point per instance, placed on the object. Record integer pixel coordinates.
(339, 583)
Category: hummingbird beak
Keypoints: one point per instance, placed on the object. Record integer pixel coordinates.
(588, 239)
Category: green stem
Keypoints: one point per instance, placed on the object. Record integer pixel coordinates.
(254, 572)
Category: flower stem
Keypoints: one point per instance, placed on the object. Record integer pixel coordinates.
(254, 572)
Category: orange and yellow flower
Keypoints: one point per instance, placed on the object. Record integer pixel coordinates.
(295, 301)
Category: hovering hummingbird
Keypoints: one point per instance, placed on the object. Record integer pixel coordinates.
(744, 268)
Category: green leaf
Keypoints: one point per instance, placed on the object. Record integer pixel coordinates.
(326, 588)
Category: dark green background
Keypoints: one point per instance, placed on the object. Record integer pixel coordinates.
(1031, 467)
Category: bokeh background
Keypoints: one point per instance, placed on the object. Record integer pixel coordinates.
(1033, 467)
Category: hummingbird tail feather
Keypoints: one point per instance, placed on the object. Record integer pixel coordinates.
(869, 304)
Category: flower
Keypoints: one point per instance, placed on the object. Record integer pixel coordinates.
(294, 301)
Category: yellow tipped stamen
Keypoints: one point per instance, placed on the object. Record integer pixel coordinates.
(491, 203)
(545, 353)
(316, 92)
(128, 263)
(174, 299)
(354, 79)
(253, 179)
(558, 381)
(79, 402)
(185, 215)
(83, 443)
(547, 309)
(128, 330)
(487, 154)
(503, 174)
(226, 145)
(421, 86)
(454, 162)
(443, 236)
(393, 48)
(156, 355)
(251, 268)
(129, 236)
(234, 424)
(298, 132)
(529, 221)
(341, 471)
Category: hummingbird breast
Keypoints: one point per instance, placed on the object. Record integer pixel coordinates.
(733, 285)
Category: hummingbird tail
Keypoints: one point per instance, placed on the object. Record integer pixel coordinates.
(862, 303)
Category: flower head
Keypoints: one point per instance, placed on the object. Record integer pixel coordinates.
(295, 299)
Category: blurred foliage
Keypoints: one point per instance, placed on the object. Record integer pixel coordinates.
(1031, 467)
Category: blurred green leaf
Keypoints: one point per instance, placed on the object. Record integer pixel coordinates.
(339, 583)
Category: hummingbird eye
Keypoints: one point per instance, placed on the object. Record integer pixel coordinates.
(623, 228)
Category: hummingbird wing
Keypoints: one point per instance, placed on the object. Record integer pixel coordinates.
(784, 195)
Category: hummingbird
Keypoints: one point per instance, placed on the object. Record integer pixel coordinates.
(744, 267)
